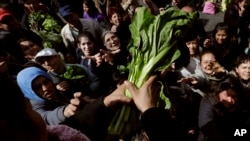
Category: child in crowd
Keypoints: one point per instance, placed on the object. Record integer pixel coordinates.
(242, 72)
(223, 44)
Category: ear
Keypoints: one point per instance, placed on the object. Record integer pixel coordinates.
(110, 21)
(236, 69)
(78, 45)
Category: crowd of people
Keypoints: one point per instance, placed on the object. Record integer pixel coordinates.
(69, 88)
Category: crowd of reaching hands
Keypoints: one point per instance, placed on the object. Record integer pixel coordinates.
(71, 91)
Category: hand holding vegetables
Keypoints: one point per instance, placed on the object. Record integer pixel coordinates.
(147, 96)
(153, 47)
(117, 97)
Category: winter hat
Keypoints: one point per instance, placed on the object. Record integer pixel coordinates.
(65, 133)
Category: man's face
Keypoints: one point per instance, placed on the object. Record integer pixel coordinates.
(44, 87)
(72, 20)
(193, 47)
(228, 98)
(31, 5)
(51, 63)
(9, 23)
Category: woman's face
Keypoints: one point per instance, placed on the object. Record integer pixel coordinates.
(228, 98)
(85, 8)
(87, 46)
(30, 49)
(207, 63)
(193, 47)
(243, 70)
(115, 19)
(111, 42)
(220, 36)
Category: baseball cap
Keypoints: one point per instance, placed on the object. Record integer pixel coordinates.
(45, 52)
(65, 10)
(4, 13)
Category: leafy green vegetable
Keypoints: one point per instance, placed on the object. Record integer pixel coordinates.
(46, 27)
(153, 48)
(74, 72)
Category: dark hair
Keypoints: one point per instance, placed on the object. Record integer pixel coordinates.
(112, 10)
(222, 26)
(243, 58)
(85, 34)
(92, 8)
(208, 51)
(3, 53)
(233, 83)
(31, 38)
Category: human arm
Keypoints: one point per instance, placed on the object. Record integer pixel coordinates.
(97, 58)
(96, 116)
(54, 113)
(207, 122)
(156, 121)
(50, 113)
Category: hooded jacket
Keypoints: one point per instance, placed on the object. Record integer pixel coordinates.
(51, 111)
(25, 79)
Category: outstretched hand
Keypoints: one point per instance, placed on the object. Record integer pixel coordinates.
(71, 108)
(108, 56)
(97, 58)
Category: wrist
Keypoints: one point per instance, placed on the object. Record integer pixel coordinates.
(147, 107)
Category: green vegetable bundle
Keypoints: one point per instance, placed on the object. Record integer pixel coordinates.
(153, 47)
(46, 27)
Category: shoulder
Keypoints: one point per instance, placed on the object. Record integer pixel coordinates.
(87, 21)
(65, 28)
